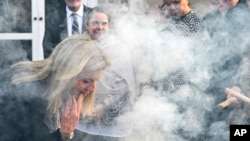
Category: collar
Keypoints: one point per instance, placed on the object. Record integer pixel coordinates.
(79, 12)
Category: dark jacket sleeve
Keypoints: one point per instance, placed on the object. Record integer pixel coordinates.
(48, 43)
(21, 119)
(51, 37)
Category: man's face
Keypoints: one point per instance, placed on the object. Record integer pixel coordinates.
(98, 25)
(225, 5)
(177, 8)
(73, 5)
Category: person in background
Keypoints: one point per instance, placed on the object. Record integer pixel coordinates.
(221, 28)
(97, 23)
(228, 21)
(59, 24)
(226, 5)
(239, 110)
(52, 95)
(248, 4)
(185, 20)
(162, 13)
(224, 9)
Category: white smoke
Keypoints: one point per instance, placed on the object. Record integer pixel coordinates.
(156, 115)
(172, 116)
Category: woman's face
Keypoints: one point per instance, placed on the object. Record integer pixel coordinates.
(86, 83)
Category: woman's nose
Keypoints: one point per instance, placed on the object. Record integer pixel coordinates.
(91, 87)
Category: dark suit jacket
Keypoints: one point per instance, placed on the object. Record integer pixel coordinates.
(56, 29)
(22, 113)
(22, 119)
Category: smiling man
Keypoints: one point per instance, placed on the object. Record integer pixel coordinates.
(97, 23)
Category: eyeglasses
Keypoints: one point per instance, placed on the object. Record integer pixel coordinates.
(98, 23)
(223, 1)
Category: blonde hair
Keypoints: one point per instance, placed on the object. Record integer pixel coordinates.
(74, 55)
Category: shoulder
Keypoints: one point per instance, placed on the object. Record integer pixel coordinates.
(87, 9)
(195, 15)
(193, 20)
(55, 16)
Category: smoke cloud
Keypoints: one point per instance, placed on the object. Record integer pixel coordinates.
(190, 113)
(156, 114)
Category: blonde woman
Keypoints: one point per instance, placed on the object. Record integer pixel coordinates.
(69, 75)
(116, 88)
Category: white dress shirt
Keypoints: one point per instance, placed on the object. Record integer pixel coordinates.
(79, 14)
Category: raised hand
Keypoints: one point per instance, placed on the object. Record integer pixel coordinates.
(71, 114)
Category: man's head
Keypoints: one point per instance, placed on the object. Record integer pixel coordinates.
(225, 5)
(73, 5)
(177, 8)
(97, 23)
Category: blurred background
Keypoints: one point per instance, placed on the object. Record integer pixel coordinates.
(23, 21)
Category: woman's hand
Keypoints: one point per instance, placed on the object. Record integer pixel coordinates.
(71, 114)
(162, 13)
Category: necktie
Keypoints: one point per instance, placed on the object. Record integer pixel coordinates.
(75, 26)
